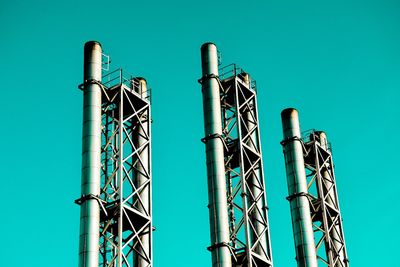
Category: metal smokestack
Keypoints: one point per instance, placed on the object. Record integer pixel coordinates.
(218, 207)
(91, 150)
(297, 187)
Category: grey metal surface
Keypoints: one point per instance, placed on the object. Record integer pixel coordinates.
(218, 210)
(91, 147)
(298, 191)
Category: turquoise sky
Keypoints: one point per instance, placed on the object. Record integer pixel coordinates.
(337, 62)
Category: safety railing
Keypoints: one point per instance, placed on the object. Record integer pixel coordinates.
(119, 76)
(105, 62)
(312, 135)
(233, 70)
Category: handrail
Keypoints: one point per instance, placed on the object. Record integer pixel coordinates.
(307, 135)
(119, 76)
(233, 70)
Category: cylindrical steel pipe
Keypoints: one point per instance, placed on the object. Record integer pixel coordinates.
(91, 151)
(297, 187)
(143, 168)
(218, 206)
(328, 175)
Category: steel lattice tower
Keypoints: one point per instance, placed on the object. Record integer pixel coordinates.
(325, 212)
(313, 196)
(238, 208)
(116, 212)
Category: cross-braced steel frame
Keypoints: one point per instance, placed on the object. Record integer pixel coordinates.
(324, 203)
(126, 211)
(249, 228)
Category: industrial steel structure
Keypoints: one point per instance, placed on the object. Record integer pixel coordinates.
(116, 211)
(317, 223)
(116, 197)
(239, 225)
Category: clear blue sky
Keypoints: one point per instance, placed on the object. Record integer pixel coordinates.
(337, 62)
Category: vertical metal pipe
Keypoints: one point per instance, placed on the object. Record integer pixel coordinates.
(218, 207)
(297, 187)
(141, 170)
(91, 149)
(337, 239)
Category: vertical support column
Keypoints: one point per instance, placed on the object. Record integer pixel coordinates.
(297, 187)
(337, 237)
(120, 174)
(257, 177)
(218, 207)
(142, 170)
(91, 150)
